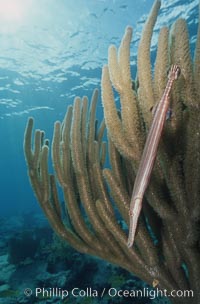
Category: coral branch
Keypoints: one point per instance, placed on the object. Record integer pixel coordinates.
(97, 197)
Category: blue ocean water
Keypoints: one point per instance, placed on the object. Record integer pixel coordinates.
(50, 52)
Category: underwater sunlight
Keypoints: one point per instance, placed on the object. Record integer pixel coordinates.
(13, 14)
(80, 84)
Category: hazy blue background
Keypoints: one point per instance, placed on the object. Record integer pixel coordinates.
(51, 51)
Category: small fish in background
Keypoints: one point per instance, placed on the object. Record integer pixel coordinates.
(155, 283)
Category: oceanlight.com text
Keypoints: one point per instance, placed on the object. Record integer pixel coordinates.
(111, 292)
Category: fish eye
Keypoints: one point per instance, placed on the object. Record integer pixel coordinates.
(178, 72)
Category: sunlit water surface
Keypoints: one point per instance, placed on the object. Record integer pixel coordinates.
(51, 51)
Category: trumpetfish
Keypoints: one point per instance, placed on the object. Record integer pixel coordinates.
(149, 154)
